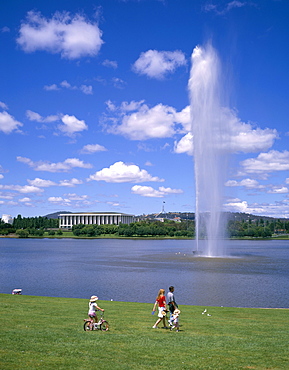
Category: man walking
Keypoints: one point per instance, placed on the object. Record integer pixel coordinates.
(171, 303)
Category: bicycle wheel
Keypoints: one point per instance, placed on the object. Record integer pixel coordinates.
(104, 326)
(87, 326)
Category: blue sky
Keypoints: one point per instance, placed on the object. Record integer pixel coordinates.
(94, 106)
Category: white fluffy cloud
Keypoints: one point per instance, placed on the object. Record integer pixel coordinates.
(48, 183)
(278, 190)
(41, 183)
(52, 87)
(278, 209)
(148, 191)
(120, 172)
(92, 148)
(243, 137)
(110, 63)
(238, 136)
(70, 183)
(236, 205)
(247, 183)
(22, 189)
(71, 125)
(184, 145)
(64, 166)
(3, 105)
(34, 116)
(267, 162)
(25, 200)
(137, 121)
(71, 200)
(156, 64)
(71, 36)
(8, 123)
(59, 200)
(86, 89)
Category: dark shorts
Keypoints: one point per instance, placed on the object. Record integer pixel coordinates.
(172, 307)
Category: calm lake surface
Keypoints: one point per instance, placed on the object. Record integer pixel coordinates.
(133, 270)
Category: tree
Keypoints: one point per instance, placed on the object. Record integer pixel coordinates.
(22, 233)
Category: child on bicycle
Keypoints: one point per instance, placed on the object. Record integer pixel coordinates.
(93, 307)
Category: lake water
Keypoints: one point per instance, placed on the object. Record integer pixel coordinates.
(134, 270)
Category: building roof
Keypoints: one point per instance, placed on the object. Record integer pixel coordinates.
(95, 214)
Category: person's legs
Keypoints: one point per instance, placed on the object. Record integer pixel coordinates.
(92, 321)
(171, 308)
(164, 321)
(157, 322)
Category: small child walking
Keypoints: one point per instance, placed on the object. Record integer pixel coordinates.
(175, 320)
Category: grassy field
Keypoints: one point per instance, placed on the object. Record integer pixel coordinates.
(47, 333)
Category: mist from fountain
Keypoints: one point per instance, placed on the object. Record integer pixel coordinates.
(208, 126)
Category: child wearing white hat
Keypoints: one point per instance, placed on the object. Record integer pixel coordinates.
(93, 307)
(175, 320)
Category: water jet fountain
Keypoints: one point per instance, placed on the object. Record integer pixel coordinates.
(208, 126)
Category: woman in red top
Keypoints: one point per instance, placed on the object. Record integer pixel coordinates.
(161, 302)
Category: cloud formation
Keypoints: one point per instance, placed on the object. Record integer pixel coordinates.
(238, 136)
(71, 125)
(22, 189)
(8, 123)
(72, 37)
(148, 191)
(120, 172)
(92, 148)
(136, 121)
(210, 7)
(110, 63)
(267, 162)
(34, 116)
(64, 166)
(86, 89)
(247, 183)
(156, 64)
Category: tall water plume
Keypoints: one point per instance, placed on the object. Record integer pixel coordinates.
(209, 131)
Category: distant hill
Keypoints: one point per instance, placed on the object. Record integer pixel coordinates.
(56, 214)
(236, 216)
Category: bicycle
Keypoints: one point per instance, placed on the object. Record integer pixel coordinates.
(100, 325)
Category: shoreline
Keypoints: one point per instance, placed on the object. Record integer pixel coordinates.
(14, 236)
(148, 303)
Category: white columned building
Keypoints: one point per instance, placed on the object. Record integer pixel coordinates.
(67, 220)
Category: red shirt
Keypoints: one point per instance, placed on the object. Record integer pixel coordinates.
(162, 301)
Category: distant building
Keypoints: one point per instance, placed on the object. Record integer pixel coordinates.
(8, 219)
(67, 220)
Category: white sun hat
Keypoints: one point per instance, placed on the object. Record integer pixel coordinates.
(93, 298)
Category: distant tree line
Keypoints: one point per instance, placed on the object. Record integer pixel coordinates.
(25, 226)
(36, 226)
(257, 229)
(6, 229)
(138, 229)
(20, 222)
(185, 228)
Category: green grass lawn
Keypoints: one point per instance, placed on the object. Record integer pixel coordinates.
(47, 333)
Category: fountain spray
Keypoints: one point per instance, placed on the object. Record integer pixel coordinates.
(208, 125)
